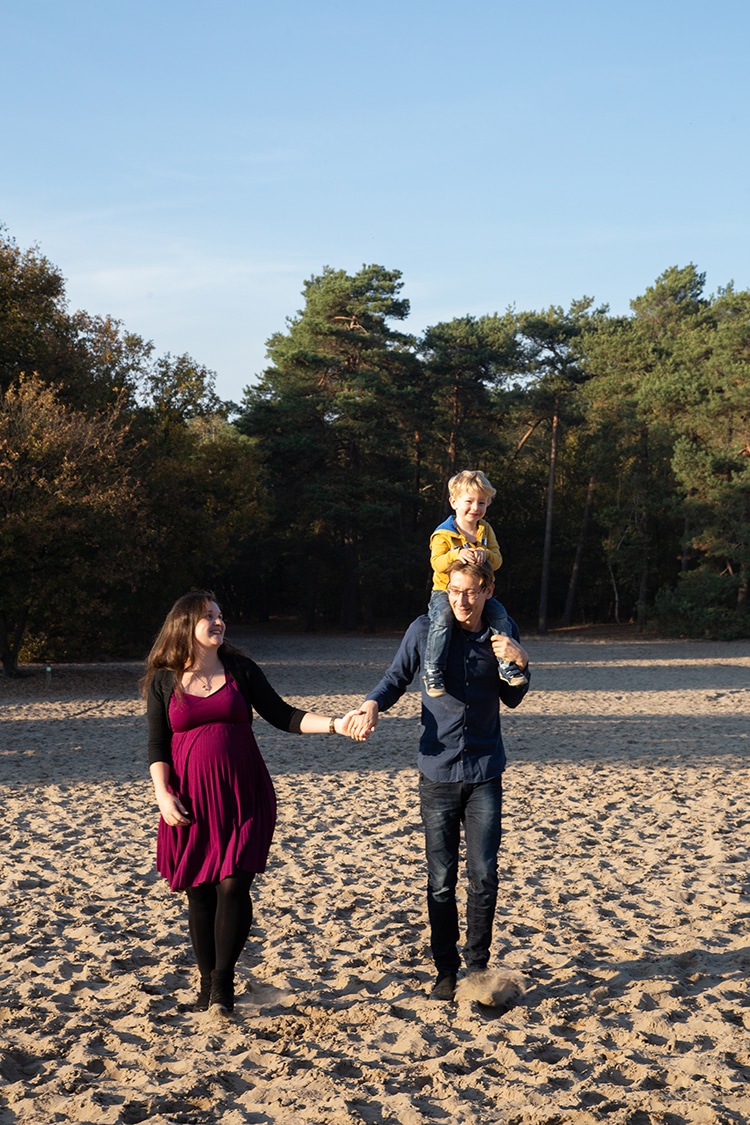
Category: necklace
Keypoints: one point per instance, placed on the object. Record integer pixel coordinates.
(204, 680)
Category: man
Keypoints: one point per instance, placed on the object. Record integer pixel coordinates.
(461, 761)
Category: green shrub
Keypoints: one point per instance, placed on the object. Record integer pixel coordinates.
(703, 604)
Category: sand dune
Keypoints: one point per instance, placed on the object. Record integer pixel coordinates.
(622, 953)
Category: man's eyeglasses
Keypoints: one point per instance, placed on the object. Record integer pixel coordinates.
(470, 595)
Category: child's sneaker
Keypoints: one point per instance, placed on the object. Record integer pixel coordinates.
(511, 673)
(433, 682)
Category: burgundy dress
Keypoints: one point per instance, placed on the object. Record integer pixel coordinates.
(220, 777)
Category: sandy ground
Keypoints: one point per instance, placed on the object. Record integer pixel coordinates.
(622, 923)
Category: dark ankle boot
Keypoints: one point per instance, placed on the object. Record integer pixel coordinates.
(222, 990)
(203, 998)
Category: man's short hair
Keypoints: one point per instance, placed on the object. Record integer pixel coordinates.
(481, 571)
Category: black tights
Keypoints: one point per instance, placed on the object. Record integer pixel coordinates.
(219, 917)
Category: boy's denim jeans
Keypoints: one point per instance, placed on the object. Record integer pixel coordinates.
(444, 807)
(441, 623)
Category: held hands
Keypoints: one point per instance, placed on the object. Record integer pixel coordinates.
(352, 726)
(360, 724)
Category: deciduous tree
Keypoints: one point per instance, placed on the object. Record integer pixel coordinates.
(70, 517)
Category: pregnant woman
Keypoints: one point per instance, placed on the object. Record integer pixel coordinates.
(215, 795)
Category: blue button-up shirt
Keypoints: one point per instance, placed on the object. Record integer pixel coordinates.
(460, 735)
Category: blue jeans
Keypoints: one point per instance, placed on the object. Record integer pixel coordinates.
(442, 621)
(444, 807)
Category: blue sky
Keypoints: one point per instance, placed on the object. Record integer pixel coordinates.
(187, 165)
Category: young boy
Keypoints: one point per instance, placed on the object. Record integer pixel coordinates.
(464, 535)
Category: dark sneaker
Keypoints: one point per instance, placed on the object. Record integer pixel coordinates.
(444, 987)
(433, 682)
(511, 673)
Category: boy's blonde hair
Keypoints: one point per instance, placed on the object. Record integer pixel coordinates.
(470, 480)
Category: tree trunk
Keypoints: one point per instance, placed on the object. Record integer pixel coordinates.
(616, 594)
(450, 469)
(742, 589)
(417, 484)
(526, 436)
(685, 556)
(645, 462)
(9, 649)
(547, 555)
(573, 584)
(348, 616)
(643, 592)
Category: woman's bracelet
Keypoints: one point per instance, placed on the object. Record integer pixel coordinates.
(332, 726)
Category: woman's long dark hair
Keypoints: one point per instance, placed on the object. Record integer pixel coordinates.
(174, 647)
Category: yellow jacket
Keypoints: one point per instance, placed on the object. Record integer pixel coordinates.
(446, 542)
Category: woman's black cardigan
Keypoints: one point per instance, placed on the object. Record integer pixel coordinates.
(255, 689)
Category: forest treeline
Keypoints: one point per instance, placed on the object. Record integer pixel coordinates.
(619, 447)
